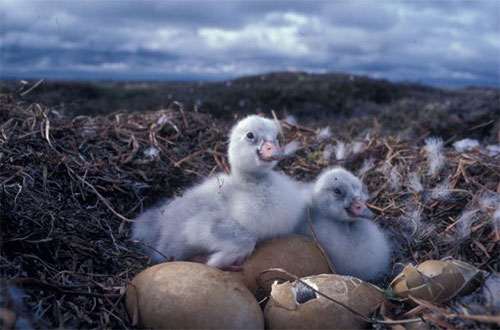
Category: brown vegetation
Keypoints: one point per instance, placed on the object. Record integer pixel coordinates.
(69, 185)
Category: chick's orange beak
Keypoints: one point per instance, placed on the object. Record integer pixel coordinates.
(359, 209)
(270, 151)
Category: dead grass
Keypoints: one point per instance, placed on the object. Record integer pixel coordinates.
(68, 187)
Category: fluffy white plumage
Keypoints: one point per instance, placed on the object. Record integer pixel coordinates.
(225, 216)
(493, 150)
(341, 150)
(291, 148)
(433, 148)
(355, 245)
(414, 181)
(465, 145)
(324, 134)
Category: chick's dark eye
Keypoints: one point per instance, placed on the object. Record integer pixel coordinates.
(250, 135)
(337, 191)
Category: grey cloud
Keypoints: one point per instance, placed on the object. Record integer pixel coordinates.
(369, 15)
(450, 42)
(187, 13)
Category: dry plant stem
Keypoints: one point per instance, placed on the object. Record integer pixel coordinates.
(104, 200)
(152, 248)
(431, 318)
(35, 85)
(325, 255)
(196, 154)
(23, 282)
(481, 318)
(356, 313)
(482, 125)
(277, 121)
(300, 128)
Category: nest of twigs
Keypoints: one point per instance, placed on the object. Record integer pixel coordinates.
(68, 187)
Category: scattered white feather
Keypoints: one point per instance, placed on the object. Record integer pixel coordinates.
(488, 296)
(358, 147)
(392, 174)
(328, 151)
(151, 152)
(464, 223)
(493, 150)
(394, 179)
(427, 229)
(291, 120)
(341, 150)
(415, 184)
(414, 217)
(489, 200)
(433, 148)
(55, 113)
(386, 168)
(487, 205)
(491, 291)
(442, 190)
(413, 222)
(465, 145)
(162, 120)
(291, 147)
(496, 217)
(324, 134)
(366, 166)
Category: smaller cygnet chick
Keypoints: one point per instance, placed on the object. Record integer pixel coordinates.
(356, 246)
(221, 220)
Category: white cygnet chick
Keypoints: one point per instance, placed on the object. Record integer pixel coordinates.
(356, 246)
(226, 215)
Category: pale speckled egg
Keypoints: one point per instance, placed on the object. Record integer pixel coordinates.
(187, 295)
(296, 254)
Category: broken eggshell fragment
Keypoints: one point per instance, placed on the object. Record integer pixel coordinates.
(296, 254)
(295, 305)
(436, 280)
(187, 295)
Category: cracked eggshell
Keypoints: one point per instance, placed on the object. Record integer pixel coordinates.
(296, 254)
(437, 280)
(177, 295)
(294, 305)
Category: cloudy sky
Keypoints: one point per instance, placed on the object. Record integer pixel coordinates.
(440, 42)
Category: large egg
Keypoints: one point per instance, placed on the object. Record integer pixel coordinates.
(295, 305)
(295, 254)
(187, 295)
